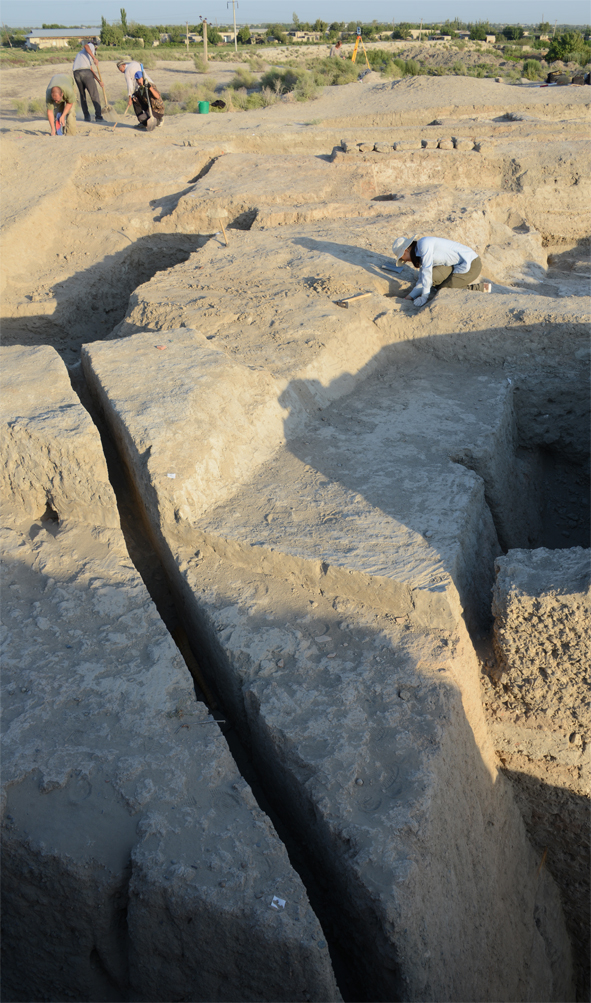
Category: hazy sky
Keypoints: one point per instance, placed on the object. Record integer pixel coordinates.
(88, 12)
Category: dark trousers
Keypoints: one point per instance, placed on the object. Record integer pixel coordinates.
(86, 81)
(444, 276)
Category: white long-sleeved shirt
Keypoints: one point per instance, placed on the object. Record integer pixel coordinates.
(439, 251)
(130, 71)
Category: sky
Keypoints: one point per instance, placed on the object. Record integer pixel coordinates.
(88, 12)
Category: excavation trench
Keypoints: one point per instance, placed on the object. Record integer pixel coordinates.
(561, 474)
(252, 758)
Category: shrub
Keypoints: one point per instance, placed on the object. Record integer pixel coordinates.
(243, 78)
(306, 88)
(333, 72)
(458, 68)
(391, 71)
(531, 69)
(200, 65)
(412, 68)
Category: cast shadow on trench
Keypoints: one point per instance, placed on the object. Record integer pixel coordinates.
(557, 823)
(550, 444)
(90, 303)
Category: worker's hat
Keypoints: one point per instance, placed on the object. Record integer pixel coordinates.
(399, 246)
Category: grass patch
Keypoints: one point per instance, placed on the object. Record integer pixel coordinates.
(33, 107)
(244, 79)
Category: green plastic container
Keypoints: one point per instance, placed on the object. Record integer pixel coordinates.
(204, 107)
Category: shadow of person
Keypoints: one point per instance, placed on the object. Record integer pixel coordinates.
(362, 257)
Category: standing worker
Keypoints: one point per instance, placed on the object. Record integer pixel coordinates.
(60, 98)
(86, 80)
(443, 263)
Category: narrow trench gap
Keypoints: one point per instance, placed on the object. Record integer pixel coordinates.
(145, 558)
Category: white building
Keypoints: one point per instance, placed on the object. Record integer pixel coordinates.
(58, 38)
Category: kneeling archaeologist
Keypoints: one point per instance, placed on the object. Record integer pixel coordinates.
(444, 264)
(60, 99)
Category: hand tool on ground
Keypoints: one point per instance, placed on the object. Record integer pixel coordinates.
(350, 300)
(116, 123)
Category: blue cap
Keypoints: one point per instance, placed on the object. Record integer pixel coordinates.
(139, 75)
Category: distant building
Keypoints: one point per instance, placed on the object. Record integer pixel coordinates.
(491, 38)
(439, 38)
(58, 38)
(227, 36)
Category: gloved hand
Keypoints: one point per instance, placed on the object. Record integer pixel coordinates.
(415, 292)
(421, 301)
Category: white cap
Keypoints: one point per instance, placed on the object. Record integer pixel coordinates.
(399, 246)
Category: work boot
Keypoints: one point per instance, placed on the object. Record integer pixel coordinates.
(481, 287)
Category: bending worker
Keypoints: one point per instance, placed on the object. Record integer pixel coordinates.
(443, 263)
(86, 80)
(60, 99)
(131, 70)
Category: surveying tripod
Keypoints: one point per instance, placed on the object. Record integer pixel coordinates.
(357, 41)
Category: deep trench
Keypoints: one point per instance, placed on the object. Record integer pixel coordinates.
(565, 477)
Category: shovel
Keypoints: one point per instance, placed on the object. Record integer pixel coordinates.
(100, 80)
(151, 123)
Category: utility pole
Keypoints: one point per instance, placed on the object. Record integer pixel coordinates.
(554, 32)
(420, 31)
(187, 39)
(8, 36)
(204, 28)
(234, 6)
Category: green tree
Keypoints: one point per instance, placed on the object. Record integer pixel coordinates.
(569, 43)
(111, 34)
(402, 31)
(319, 25)
(53, 27)
(478, 32)
(276, 31)
(512, 32)
(544, 27)
(295, 20)
(123, 19)
(244, 34)
(144, 32)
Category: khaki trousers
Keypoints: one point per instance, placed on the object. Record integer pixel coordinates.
(444, 276)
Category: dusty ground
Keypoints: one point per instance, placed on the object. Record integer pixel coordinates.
(89, 220)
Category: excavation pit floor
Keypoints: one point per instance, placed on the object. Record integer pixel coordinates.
(316, 497)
